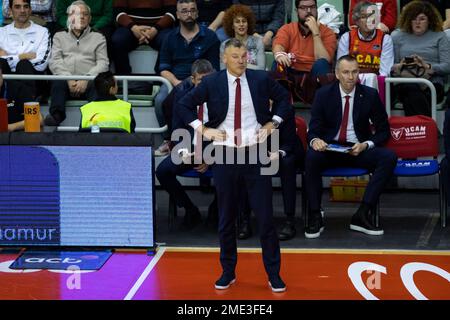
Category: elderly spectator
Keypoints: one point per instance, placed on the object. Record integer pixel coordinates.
(140, 22)
(101, 15)
(311, 45)
(270, 16)
(43, 13)
(372, 48)
(388, 12)
(24, 49)
(239, 23)
(210, 15)
(421, 40)
(77, 51)
(180, 49)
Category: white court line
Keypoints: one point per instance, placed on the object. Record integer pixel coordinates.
(145, 274)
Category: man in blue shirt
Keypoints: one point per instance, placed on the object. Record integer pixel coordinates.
(180, 49)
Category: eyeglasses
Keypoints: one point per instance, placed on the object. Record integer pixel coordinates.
(365, 16)
(307, 8)
(186, 12)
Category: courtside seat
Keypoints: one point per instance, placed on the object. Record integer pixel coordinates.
(143, 60)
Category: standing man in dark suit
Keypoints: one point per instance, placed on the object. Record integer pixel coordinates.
(342, 113)
(239, 117)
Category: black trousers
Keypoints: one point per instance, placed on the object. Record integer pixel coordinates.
(19, 91)
(228, 179)
(60, 94)
(167, 172)
(380, 161)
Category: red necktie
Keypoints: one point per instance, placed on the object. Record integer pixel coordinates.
(343, 129)
(198, 145)
(237, 114)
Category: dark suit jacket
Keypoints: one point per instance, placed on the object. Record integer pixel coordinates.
(214, 91)
(326, 115)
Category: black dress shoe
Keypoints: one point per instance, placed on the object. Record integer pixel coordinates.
(225, 281)
(277, 284)
(245, 231)
(315, 225)
(288, 231)
(363, 221)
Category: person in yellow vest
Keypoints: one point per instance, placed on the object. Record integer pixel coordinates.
(371, 47)
(107, 111)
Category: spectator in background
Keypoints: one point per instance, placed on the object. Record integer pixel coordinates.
(443, 7)
(210, 15)
(421, 39)
(388, 11)
(167, 170)
(101, 13)
(139, 22)
(180, 49)
(77, 51)
(43, 13)
(312, 44)
(239, 23)
(24, 49)
(270, 16)
(372, 48)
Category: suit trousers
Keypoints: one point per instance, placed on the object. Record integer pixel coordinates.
(166, 173)
(380, 161)
(228, 178)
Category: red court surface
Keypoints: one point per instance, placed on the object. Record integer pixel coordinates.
(181, 274)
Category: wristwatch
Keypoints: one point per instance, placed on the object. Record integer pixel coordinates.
(275, 123)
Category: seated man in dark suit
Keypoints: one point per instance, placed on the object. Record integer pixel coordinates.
(167, 170)
(342, 113)
(239, 118)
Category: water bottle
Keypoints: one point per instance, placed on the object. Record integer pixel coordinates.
(95, 128)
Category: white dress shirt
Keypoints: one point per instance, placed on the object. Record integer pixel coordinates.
(351, 135)
(249, 123)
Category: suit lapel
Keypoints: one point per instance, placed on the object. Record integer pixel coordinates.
(253, 86)
(223, 91)
(357, 100)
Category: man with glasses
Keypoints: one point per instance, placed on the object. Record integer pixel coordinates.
(388, 14)
(305, 46)
(180, 49)
(372, 48)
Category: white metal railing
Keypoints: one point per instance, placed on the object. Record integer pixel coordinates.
(124, 79)
(389, 80)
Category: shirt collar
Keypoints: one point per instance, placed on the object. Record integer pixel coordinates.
(369, 38)
(232, 79)
(343, 94)
(201, 32)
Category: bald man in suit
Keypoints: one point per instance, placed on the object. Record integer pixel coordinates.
(344, 112)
